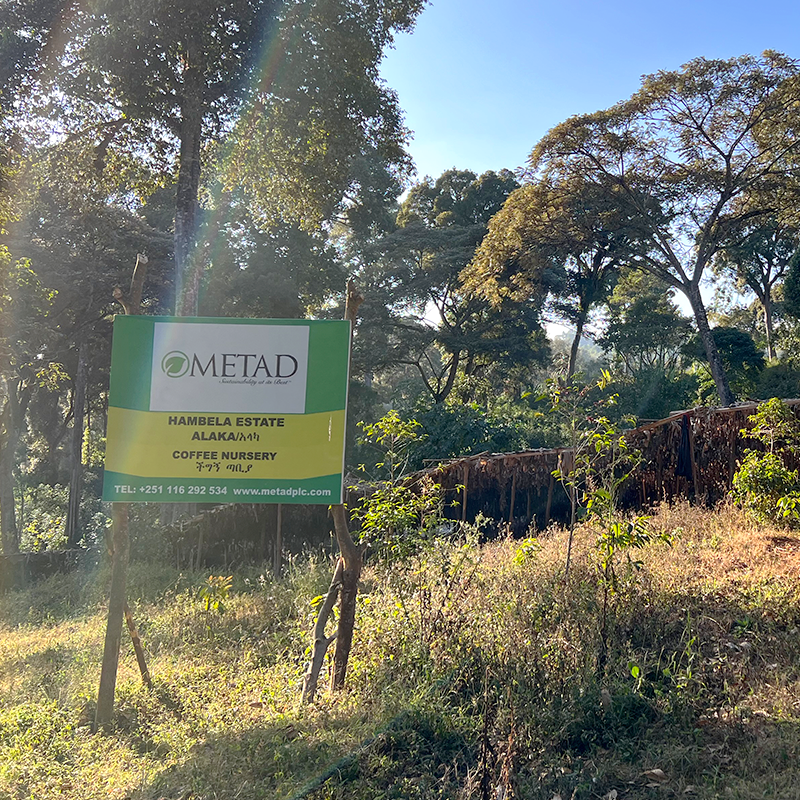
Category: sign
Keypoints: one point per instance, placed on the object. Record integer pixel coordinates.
(226, 410)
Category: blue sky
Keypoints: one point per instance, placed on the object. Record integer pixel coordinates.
(482, 80)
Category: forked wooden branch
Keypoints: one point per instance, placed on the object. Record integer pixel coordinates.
(345, 579)
(351, 555)
(321, 641)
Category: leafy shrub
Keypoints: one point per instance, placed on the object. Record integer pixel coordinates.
(452, 430)
(779, 380)
(763, 484)
(393, 516)
(397, 519)
(741, 358)
(44, 517)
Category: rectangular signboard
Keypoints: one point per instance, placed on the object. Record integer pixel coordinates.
(226, 410)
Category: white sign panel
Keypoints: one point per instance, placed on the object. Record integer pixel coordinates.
(229, 368)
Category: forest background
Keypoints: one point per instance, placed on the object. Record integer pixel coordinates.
(253, 153)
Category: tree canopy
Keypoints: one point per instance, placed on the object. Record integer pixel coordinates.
(561, 238)
(417, 306)
(677, 156)
(282, 99)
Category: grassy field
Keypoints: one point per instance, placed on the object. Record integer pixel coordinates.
(476, 673)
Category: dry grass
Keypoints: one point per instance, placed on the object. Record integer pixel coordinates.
(473, 667)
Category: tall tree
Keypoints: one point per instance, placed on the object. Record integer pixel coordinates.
(563, 238)
(415, 299)
(676, 157)
(646, 340)
(758, 259)
(645, 332)
(26, 28)
(291, 86)
(76, 239)
(27, 363)
(281, 271)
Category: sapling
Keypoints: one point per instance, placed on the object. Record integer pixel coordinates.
(213, 594)
(602, 460)
(764, 484)
(588, 436)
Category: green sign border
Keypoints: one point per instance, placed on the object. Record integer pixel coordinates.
(326, 390)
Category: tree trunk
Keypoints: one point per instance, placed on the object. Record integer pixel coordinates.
(76, 481)
(119, 548)
(444, 392)
(351, 555)
(726, 397)
(8, 512)
(187, 277)
(187, 268)
(576, 342)
(345, 579)
(11, 424)
(351, 572)
(767, 303)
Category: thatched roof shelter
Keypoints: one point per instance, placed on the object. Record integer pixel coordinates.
(520, 488)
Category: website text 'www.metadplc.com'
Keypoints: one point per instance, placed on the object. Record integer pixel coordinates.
(293, 492)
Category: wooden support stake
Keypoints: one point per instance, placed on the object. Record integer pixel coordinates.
(131, 304)
(351, 572)
(698, 488)
(264, 554)
(351, 556)
(137, 647)
(200, 531)
(660, 473)
(734, 437)
(116, 609)
(513, 498)
(464, 493)
(348, 570)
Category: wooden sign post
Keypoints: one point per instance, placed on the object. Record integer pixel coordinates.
(132, 304)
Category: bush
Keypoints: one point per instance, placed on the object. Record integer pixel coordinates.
(44, 518)
(763, 484)
(779, 380)
(453, 430)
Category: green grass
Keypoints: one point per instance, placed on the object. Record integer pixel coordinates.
(474, 673)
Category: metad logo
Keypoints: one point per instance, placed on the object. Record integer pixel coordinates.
(175, 364)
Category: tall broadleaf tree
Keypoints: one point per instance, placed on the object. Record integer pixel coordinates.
(677, 156)
(564, 239)
(280, 97)
(645, 332)
(417, 304)
(758, 259)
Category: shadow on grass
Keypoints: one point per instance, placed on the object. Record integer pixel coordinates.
(418, 754)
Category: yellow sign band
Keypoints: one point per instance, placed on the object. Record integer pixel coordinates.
(211, 444)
